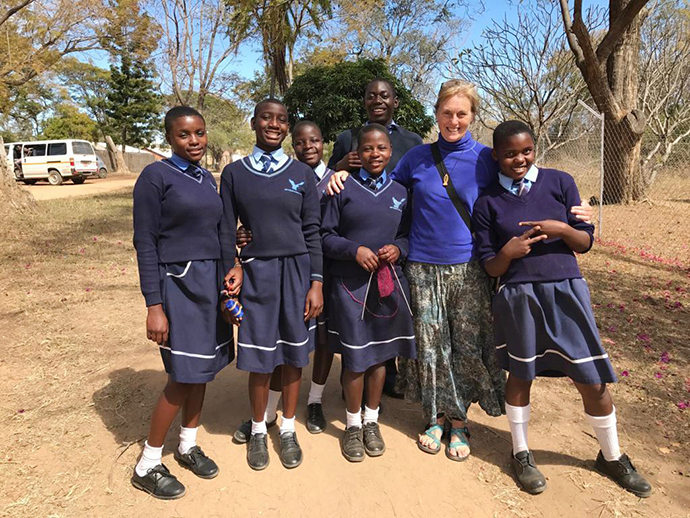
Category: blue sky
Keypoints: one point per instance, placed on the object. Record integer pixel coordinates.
(249, 59)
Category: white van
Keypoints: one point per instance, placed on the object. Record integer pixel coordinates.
(52, 160)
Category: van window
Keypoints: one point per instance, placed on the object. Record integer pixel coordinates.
(35, 150)
(59, 148)
(82, 148)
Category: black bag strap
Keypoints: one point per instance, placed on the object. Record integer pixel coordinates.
(448, 184)
(354, 138)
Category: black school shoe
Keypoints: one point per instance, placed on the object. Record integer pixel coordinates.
(316, 421)
(257, 452)
(528, 475)
(373, 441)
(352, 446)
(244, 431)
(159, 483)
(290, 451)
(197, 462)
(624, 474)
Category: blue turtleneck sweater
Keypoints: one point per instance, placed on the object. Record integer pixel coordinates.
(438, 235)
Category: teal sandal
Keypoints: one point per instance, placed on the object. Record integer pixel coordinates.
(429, 432)
(463, 434)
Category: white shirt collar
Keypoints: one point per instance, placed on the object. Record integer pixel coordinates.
(507, 182)
(320, 170)
(278, 155)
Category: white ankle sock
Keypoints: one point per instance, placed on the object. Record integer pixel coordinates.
(371, 416)
(259, 427)
(315, 393)
(354, 419)
(272, 406)
(606, 431)
(150, 458)
(518, 419)
(287, 425)
(187, 439)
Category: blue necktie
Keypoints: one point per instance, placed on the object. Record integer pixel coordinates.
(266, 160)
(521, 187)
(194, 171)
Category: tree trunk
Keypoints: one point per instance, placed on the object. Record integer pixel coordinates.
(117, 157)
(12, 195)
(622, 141)
(623, 136)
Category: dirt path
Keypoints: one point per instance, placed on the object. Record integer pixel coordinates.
(79, 380)
(45, 191)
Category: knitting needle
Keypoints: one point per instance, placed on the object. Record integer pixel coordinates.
(364, 305)
(401, 289)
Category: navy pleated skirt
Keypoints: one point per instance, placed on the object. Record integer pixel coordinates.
(548, 329)
(200, 341)
(273, 331)
(386, 331)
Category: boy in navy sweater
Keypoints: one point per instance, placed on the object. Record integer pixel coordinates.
(364, 232)
(276, 198)
(380, 102)
(543, 315)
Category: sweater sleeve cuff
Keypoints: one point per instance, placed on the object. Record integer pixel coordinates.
(153, 298)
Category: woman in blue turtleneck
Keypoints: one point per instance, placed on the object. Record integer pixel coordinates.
(450, 292)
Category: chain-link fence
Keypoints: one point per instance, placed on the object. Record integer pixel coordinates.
(641, 192)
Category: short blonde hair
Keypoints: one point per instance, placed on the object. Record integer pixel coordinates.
(458, 87)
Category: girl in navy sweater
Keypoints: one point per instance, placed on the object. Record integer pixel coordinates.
(177, 213)
(276, 198)
(544, 323)
(307, 142)
(364, 233)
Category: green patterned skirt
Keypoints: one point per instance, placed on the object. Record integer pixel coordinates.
(456, 363)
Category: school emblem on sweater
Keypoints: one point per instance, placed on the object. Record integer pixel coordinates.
(294, 187)
(396, 204)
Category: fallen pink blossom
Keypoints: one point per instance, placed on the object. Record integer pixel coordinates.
(625, 374)
(658, 375)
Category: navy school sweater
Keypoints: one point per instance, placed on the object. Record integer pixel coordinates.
(281, 208)
(359, 216)
(497, 213)
(176, 219)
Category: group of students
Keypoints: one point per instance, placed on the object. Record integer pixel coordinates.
(323, 272)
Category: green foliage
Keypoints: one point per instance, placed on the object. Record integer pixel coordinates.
(69, 123)
(228, 127)
(333, 97)
(132, 102)
(87, 86)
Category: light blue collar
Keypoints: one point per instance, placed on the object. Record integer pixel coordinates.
(507, 182)
(380, 181)
(320, 170)
(183, 164)
(279, 158)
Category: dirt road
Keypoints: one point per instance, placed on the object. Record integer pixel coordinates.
(79, 379)
(45, 191)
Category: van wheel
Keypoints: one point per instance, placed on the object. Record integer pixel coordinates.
(30, 182)
(54, 177)
(78, 180)
(102, 172)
